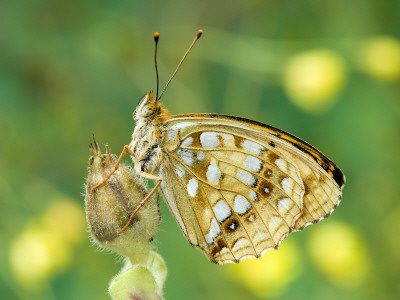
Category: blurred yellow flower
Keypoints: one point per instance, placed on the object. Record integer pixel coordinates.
(268, 275)
(67, 218)
(45, 246)
(313, 78)
(37, 254)
(339, 252)
(380, 58)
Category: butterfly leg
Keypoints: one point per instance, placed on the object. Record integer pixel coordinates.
(124, 152)
(158, 202)
(148, 176)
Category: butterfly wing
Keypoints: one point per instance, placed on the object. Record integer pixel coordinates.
(237, 188)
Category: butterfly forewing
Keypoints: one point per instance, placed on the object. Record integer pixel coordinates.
(323, 181)
(241, 188)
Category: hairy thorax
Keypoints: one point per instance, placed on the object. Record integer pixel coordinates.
(145, 146)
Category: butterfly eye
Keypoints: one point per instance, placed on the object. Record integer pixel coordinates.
(144, 111)
(147, 107)
(148, 110)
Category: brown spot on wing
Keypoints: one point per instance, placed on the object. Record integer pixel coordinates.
(272, 157)
(231, 225)
(219, 245)
(238, 142)
(262, 186)
(267, 172)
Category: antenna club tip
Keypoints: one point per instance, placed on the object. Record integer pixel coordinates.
(199, 33)
(156, 36)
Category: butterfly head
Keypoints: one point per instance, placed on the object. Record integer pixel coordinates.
(148, 108)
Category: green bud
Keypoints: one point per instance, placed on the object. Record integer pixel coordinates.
(140, 281)
(137, 283)
(109, 207)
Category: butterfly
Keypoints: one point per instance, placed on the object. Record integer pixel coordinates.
(236, 187)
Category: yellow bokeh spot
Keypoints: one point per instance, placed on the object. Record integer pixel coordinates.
(267, 276)
(67, 218)
(339, 252)
(37, 254)
(312, 79)
(380, 58)
(44, 247)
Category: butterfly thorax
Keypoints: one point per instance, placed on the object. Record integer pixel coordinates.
(146, 137)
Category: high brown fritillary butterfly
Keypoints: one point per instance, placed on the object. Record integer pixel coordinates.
(236, 187)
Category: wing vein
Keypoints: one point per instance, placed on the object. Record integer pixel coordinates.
(219, 225)
(326, 193)
(259, 176)
(194, 212)
(234, 150)
(239, 218)
(222, 189)
(261, 218)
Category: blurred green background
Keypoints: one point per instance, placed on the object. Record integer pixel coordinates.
(326, 71)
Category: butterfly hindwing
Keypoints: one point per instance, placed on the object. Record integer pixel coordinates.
(321, 195)
(238, 189)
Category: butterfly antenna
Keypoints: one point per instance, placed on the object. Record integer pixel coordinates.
(156, 37)
(198, 35)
